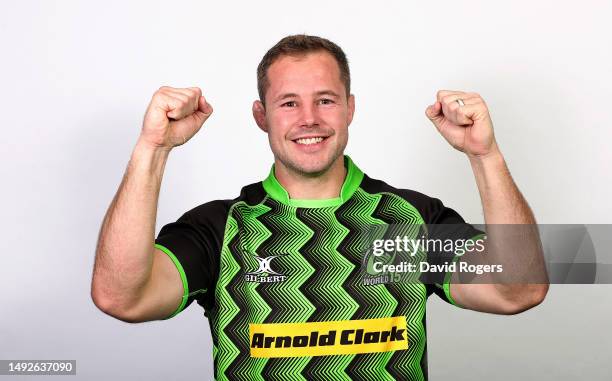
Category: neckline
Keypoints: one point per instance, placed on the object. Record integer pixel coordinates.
(351, 182)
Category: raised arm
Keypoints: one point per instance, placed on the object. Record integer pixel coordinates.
(513, 241)
(132, 280)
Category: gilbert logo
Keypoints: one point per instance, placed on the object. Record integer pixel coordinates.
(264, 273)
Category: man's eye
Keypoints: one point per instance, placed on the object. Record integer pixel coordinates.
(288, 104)
(326, 101)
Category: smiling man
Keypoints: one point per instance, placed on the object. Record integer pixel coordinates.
(306, 112)
(284, 271)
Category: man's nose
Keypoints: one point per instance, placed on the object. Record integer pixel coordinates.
(308, 117)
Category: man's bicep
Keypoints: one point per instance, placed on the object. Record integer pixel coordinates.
(164, 293)
(192, 245)
(453, 239)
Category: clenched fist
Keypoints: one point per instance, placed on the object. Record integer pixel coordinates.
(467, 127)
(174, 116)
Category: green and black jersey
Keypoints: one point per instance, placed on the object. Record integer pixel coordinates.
(287, 284)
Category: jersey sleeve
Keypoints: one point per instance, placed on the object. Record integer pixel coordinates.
(444, 223)
(193, 243)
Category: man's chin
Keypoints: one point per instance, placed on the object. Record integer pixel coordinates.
(312, 167)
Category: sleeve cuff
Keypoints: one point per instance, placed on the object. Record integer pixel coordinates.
(447, 278)
(181, 271)
(447, 283)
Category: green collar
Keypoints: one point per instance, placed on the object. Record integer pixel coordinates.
(353, 178)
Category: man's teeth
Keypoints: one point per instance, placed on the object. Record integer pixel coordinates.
(309, 141)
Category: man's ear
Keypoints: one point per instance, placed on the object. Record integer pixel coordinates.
(259, 113)
(351, 108)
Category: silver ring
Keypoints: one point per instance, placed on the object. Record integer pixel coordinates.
(460, 101)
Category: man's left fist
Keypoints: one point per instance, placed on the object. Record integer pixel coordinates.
(466, 127)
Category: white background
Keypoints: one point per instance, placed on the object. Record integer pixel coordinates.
(76, 78)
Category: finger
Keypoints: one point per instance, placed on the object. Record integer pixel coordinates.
(178, 95)
(181, 106)
(197, 91)
(165, 102)
(165, 88)
(472, 112)
(191, 92)
(471, 101)
(204, 110)
(450, 103)
(444, 93)
(461, 117)
(196, 94)
(204, 106)
(434, 113)
(433, 110)
(465, 97)
(188, 95)
(453, 111)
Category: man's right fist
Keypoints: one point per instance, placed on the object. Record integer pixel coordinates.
(174, 116)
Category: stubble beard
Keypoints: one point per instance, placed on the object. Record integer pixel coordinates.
(311, 171)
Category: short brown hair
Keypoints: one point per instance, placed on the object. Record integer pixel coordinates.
(298, 45)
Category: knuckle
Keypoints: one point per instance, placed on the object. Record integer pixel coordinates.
(174, 102)
(193, 96)
(183, 99)
(158, 96)
(448, 100)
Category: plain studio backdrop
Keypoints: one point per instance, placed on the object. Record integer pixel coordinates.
(76, 78)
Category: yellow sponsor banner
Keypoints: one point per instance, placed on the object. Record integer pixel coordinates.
(328, 337)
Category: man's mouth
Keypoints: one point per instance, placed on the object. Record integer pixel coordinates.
(310, 140)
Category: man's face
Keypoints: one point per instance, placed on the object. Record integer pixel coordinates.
(307, 112)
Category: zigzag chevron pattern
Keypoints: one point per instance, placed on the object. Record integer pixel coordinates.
(320, 252)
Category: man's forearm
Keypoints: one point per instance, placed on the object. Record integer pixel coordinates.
(502, 202)
(124, 253)
(513, 239)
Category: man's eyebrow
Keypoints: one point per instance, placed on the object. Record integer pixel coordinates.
(328, 92)
(318, 93)
(285, 96)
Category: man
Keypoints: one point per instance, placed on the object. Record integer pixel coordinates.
(281, 270)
